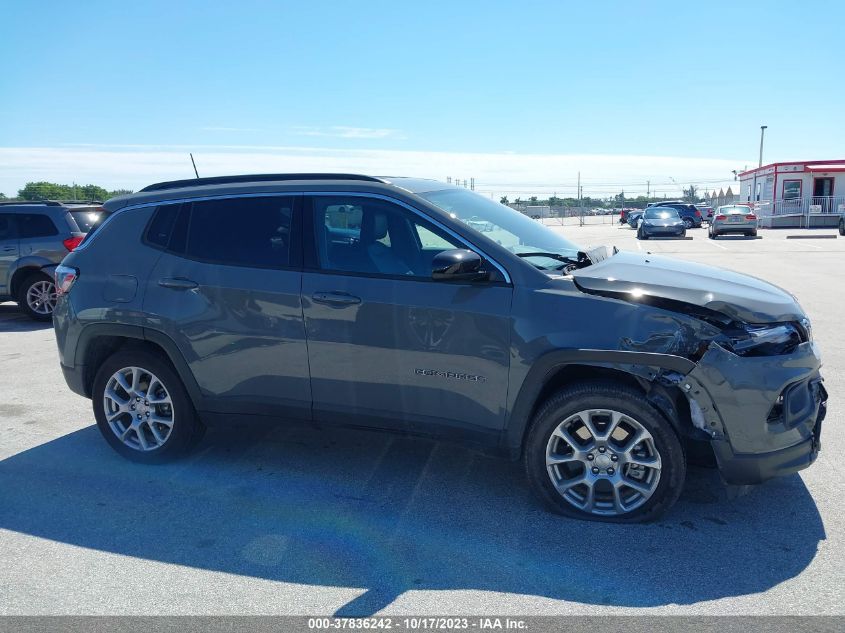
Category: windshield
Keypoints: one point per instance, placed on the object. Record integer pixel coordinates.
(505, 226)
(657, 213)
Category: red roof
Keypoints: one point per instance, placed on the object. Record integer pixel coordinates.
(810, 165)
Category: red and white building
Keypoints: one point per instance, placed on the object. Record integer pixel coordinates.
(806, 193)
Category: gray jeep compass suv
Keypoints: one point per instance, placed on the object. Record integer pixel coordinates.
(34, 237)
(342, 299)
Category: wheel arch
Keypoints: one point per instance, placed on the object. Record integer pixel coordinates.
(553, 371)
(22, 272)
(100, 340)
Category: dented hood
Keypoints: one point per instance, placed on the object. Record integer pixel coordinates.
(733, 294)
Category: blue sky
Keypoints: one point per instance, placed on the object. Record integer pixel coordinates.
(640, 79)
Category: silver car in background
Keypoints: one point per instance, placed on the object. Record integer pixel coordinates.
(733, 219)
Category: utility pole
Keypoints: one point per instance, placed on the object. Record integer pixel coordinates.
(580, 208)
(647, 189)
(759, 165)
(472, 184)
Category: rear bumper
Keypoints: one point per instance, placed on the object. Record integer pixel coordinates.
(733, 228)
(74, 377)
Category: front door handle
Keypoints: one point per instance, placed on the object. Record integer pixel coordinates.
(177, 283)
(335, 298)
(9, 249)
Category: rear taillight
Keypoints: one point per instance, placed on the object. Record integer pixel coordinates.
(72, 242)
(750, 216)
(721, 217)
(697, 213)
(64, 276)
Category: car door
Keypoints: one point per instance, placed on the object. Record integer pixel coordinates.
(227, 292)
(8, 250)
(40, 238)
(387, 345)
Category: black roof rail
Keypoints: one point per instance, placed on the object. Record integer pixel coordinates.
(222, 180)
(49, 203)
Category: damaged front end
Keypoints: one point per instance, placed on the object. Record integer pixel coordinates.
(754, 391)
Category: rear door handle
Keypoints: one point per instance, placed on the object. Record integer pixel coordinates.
(335, 298)
(9, 249)
(177, 283)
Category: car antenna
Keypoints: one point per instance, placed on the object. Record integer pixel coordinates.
(194, 164)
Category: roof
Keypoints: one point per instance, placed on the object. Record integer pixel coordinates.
(810, 165)
(244, 178)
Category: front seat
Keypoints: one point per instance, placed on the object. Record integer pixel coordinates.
(373, 229)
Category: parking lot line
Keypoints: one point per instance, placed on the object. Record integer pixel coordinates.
(713, 243)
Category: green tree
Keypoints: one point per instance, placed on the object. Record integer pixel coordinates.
(53, 191)
(533, 199)
(504, 200)
(690, 194)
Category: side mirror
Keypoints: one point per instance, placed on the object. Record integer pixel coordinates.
(457, 265)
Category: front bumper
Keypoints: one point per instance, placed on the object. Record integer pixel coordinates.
(667, 231)
(763, 414)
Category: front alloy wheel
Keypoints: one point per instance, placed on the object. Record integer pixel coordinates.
(601, 451)
(603, 462)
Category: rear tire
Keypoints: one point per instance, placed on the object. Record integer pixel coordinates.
(841, 227)
(128, 416)
(688, 223)
(752, 234)
(637, 481)
(37, 296)
(711, 234)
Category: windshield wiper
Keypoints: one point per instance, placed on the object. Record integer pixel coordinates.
(581, 261)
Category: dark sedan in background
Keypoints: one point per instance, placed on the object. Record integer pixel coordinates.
(661, 222)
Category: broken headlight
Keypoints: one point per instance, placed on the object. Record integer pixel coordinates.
(767, 340)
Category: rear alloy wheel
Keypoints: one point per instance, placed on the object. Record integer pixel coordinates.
(37, 297)
(688, 223)
(601, 452)
(142, 408)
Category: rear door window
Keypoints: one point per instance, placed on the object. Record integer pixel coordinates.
(7, 226)
(254, 232)
(35, 225)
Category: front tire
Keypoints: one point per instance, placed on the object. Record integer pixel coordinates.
(37, 296)
(142, 407)
(601, 452)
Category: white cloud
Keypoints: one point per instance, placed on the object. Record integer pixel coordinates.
(514, 174)
(345, 131)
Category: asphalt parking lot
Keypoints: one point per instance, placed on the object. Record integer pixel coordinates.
(297, 521)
